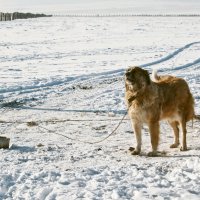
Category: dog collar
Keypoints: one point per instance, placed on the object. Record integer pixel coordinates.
(132, 99)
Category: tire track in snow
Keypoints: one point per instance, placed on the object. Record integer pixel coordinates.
(195, 62)
(73, 110)
(170, 56)
(102, 75)
(69, 79)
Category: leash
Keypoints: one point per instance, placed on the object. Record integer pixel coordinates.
(37, 123)
(86, 142)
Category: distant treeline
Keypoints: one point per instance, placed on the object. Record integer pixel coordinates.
(129, 15)
(17, 15)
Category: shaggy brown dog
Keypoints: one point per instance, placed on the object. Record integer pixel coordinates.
(148, 101)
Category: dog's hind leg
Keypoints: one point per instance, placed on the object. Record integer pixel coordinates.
(137, 128)
(175, 128)
(154, 132)
(184, 133)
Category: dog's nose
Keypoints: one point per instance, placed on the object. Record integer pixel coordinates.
(127, 73)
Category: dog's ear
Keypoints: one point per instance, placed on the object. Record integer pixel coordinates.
(147, 77)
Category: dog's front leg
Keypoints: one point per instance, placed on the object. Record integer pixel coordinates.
(154, 133)
(137, 128)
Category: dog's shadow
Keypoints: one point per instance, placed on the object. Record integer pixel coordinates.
(22, 149)
(182, 156)
(165, 154)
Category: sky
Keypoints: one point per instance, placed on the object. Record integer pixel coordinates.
(103, 6)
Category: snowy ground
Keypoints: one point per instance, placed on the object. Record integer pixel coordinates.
(72, 68)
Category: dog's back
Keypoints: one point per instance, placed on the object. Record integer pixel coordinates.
(176, 96)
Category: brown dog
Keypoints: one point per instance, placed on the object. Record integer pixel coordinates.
(148, 101)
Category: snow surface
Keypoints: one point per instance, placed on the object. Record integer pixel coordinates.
(72, 68)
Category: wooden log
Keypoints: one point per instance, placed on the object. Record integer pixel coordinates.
(4, 142)
(8, 17)
(3, 17)
(17, 15)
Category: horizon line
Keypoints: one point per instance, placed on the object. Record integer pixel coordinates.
(125, 15)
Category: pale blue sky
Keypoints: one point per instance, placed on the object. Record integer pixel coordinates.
(137, 6)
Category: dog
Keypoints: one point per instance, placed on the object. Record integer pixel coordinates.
(162, 98)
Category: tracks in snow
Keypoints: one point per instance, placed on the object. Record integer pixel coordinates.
(172, 55)
(64, 84)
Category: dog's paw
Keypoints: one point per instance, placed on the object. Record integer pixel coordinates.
(131, 149)
(183, 149)
(174, 145)
(152, 154)
(135, 152)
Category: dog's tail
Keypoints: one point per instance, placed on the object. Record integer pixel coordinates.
(197, 117)
(155, 76)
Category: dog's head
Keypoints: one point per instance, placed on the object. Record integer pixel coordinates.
(136, 79)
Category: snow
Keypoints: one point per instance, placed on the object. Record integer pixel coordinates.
(61, 68)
